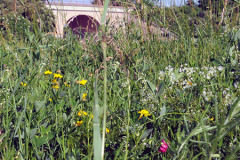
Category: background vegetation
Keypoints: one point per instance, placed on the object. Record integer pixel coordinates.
(18, 16)
(189, 84)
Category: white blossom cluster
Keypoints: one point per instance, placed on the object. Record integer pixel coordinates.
(227, 97)
(208, 73)
(185, 77)
(189, 74)
(207, 94)
(2, 92)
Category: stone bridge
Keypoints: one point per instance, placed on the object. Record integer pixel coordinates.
(83, 18)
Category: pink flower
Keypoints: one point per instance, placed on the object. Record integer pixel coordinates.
(164, 146)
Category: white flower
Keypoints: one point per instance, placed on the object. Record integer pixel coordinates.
(161, 75)
(234, 62)
(220, 68)
(236, 84)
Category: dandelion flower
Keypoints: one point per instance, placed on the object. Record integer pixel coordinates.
(143, 113)
(47, 72)
(82, 82)
(23, 84)
(56, 87)
(50, 99)
(212, 119)
(80, 113)
(54, 80)
(66, 84)
(107, 130)
(84, 96)
(79, 123)
(57, 75)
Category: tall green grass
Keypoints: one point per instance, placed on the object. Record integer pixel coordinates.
(189, 85)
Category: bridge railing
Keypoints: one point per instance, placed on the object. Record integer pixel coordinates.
(81, 2)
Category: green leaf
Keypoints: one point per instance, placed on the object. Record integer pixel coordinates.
(33, 133)
(216, 62)
(39, 105)
(237, 35)
(195, 131)
(50, 136)
(163, 112)
(160, 89)
(20, 118)
(152, 87)
(39, 141)
(43, 84)
(16, 87)
(235, 109)
(231, 50)
(215, 155)
(119, 150)
(62, 94)
(233, 154)
(229, 126)
(146, 133)
(65, 117)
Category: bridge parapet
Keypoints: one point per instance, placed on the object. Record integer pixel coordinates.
(81, 3)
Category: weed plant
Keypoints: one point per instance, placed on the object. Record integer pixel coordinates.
(184, 90)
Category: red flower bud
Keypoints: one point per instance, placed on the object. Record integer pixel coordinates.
(164, 146)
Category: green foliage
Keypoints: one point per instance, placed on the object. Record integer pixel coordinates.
(18, 16)
(189, 85)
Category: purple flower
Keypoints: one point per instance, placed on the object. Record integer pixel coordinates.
(164, 146)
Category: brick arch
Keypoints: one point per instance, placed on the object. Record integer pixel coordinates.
(82, 24)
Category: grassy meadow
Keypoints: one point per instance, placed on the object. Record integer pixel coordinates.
(124, 92)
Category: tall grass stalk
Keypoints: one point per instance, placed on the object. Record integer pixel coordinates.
(97, 148)
(104, 48)
(128, 113)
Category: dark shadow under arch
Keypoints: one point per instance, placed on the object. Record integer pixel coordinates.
(82, 24)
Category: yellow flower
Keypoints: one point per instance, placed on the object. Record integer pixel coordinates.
(84, 96)
(56, 87)
(91, 116)
(79, 123)
(23, 84)
(47, 72)
(212, 119)
(54, 81)
(189, 82)
(57, 75)
(82, 82)
(67, 85)
(80, 113)
(107, 130)
(143, 113)
(50, 99)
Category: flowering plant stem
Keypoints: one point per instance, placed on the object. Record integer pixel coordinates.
(98, 142)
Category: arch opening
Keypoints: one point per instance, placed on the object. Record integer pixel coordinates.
(82, 24)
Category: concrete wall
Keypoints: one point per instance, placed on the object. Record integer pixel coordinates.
(63, 13)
